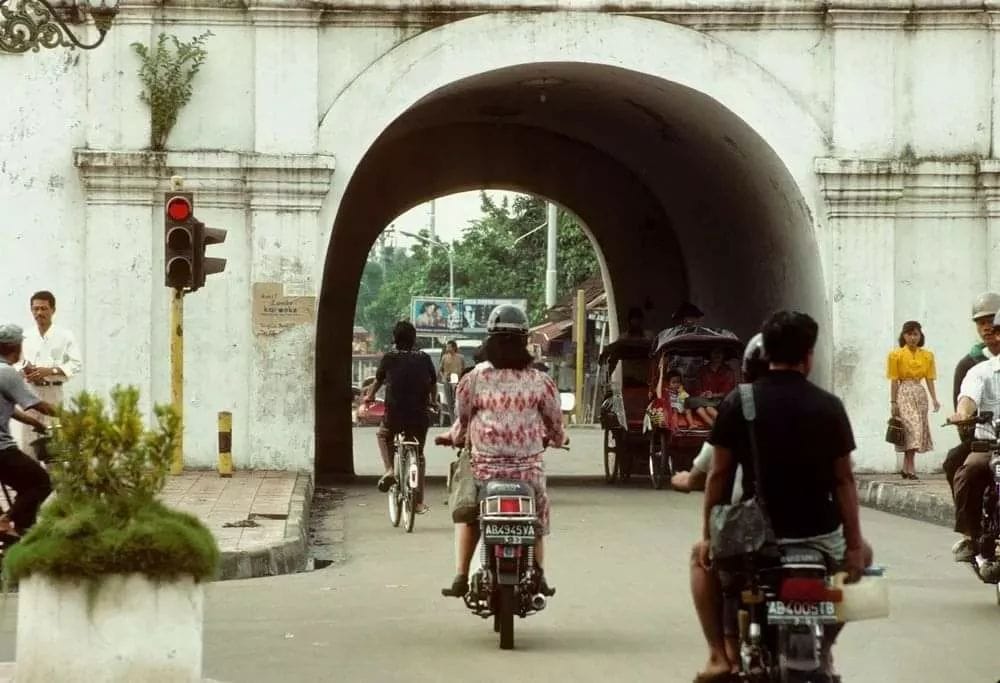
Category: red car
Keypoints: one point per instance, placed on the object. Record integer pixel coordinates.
(371, 414)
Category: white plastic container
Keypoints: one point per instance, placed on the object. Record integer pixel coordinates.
(866, 599)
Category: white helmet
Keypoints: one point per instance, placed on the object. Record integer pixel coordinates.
(986, 305)
(507, 319)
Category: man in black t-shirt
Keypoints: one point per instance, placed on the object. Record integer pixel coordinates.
(410, 388)
(804, 442)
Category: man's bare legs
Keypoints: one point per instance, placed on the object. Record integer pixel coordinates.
(707, 595)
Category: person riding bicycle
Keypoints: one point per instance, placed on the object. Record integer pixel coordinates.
(510, 412)
(18, 470)
(411, 387)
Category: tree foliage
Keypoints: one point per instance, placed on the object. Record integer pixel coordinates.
(488, 264)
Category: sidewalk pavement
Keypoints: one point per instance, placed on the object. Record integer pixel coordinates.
(927, 499)
(259, 518)
(8, 669)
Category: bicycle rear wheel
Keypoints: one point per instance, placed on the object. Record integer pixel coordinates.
(395, 498)
(407, 491)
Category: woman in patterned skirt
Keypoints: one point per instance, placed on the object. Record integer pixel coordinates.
(907, 367)
(509, 412)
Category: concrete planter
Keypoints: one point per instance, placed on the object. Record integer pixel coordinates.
(119, 628)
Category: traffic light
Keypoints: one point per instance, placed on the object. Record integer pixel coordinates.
(185, 263)
(207, 265)
(180, 237)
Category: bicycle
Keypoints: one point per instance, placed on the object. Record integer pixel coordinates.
(402, 494)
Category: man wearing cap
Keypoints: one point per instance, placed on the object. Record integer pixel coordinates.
(51, 357)
(984, 308)
(18, 470)
(980, 392)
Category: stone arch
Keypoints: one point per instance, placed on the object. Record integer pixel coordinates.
(723, 118)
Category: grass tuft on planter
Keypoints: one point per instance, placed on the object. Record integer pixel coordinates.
(107, 470)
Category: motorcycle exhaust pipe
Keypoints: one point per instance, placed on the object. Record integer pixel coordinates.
(538, 602)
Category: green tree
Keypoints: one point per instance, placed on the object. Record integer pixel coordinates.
(487, 264)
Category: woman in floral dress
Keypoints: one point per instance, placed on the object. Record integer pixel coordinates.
(907, 368)
(509, 411)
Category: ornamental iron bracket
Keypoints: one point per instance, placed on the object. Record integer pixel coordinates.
(34, 24)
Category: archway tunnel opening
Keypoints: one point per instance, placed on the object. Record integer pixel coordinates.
(683, 200)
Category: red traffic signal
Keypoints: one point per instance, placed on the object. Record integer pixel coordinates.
(180, 240)
(178, 208)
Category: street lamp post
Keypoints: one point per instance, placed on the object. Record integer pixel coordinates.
(550, 252)
(33, 24)
(449, 250)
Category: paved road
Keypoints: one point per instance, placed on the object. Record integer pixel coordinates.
(618, 557)
(585, 457)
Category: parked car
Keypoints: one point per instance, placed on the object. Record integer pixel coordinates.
(371, 414)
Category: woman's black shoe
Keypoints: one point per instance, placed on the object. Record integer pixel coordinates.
(459, 587)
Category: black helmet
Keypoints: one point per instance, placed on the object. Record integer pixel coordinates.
(754, 361)
(507, 319)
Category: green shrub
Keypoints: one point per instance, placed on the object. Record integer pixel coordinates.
(107, 469)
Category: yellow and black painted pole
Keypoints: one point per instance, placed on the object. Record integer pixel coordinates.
(225, 444)
(177, 375)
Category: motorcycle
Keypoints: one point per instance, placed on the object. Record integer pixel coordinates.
(507, 583)
(790, 603)
(986, 564)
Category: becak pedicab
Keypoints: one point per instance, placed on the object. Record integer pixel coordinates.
(623, 410)
(686, 388)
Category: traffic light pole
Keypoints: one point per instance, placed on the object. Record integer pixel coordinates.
(177, 375)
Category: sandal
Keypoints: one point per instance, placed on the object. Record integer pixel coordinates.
(459, 587)
(721, 677)
(386, 482)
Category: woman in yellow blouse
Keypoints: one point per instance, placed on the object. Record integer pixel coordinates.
(907, 367)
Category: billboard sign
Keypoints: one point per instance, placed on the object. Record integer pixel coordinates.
(436, 315)
(443, 316)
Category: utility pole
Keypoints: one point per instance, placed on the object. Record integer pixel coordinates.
(551, 255)
(433, 227)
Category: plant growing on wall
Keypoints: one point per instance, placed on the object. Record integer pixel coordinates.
(167, 72)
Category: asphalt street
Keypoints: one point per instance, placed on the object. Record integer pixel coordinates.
(618, 556)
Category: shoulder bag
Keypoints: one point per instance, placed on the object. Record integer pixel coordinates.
(742, 528)
(463, 498)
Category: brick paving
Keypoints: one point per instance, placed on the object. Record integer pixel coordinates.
(259, 500)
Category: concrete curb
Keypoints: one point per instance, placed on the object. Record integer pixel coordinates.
(907, 501)
(287, 557)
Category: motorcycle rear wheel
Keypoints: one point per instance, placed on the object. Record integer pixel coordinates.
(505, 614)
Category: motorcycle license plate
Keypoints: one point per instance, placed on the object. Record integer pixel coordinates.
(796, 612)
(510, 533)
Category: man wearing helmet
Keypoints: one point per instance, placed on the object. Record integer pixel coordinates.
(509, 412)
(980, 392)
(984, 308)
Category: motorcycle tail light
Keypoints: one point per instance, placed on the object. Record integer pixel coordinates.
(510, 505)
(808, 590)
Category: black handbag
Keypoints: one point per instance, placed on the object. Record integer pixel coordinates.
(894, 433)
(742, 528)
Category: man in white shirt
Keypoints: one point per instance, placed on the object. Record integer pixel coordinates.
(51, 358)
(980, 392)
